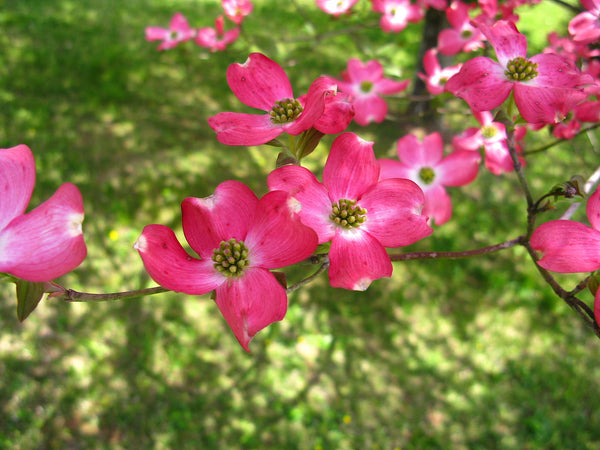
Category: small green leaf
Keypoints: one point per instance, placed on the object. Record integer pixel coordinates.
(29, 295)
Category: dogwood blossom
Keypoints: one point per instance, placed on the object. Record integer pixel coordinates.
(585, 26)
(423, 162)
(461, 36)
(336, 7)
(216, 39)
(179, 31)
(46, 242)
(435, 77)
(238, 239)
(237, 10)
(355, 211)
(396, 14)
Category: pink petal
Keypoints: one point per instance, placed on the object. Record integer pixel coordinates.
(337, 115)
(497, 158)
(481, 83)
(430, 62)
(555, 71)
(567, 247)
(394, 212)
(458, 168)
(413, 152)
(392, 168)
(438, 205)
(227, 214)
(277, 238)
(244, 129)
(17, 179)
(259, 82)
(593, 210)
(450, 41)
(369, 108)
(251, 303)
(301, 184)
(370, 71)
(356, 259)
(169, 265)
(156, 33)
(351, 167)
(386, 86)
(470, 139)
(47, 242)
(179, 23)
(314, 107)
(545, 104)
(508, 43)
(457, 14)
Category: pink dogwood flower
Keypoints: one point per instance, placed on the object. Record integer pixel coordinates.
(365, 83)
(356, 212)
(462, 36)
(238, 239)
(336, 7)
(540, 84)
(585, 27)
(492, 137)
(46, 242)
(566, 246)
(179, 31)
(435, 77)
(261, 83)
(424, 163)
(216, 39)
(237, 10)
(396, 14)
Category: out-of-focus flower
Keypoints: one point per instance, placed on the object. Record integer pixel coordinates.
(237, 10)
(336, 7)
(462, 36)
(216, 39)
(179, 31)
(396, 14)
(435, 77)
(585, 27)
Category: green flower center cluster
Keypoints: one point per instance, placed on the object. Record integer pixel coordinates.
(427, 175)
(230, 258)
(489, 131)
(366, 86)
(347, 214)
(521, 69)
(285, 110)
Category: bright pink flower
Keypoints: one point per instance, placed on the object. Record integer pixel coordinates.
(585, 27)
(216, 39)
(540, 84)
(492, 137)
(359, 214)
(566, 246)
(237, 10)
(424, 163)
(46, 242)
(397, 14)
(261, 83)
(336, 7)
(462, 37)
(365, 83)
(178, 31)
(238, 238)
(435, 77)
(337, 115)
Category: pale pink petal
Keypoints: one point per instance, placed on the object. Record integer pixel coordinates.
(593, 210)
(156, 33)
(497, 158)
(259, 82)
(438, 205)
(179, 23)
(17, 179)
(458, 168)
(370, 71)
(227, 214)
(169, 265)
(47, 242)
(385, 86)
(244, 129)
(206, 37)
(277, 238)
(470, 139)
(351, 167)
(392, 168)
(369, 108)
(427, 153)
(567, 247)
(314, 107)
(301, 184)
(481, 83)
(394, 212)
(356, 259)
(251, 302)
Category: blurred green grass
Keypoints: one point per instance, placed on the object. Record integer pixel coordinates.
(445, 354)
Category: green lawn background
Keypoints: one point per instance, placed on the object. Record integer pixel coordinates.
(445, 354)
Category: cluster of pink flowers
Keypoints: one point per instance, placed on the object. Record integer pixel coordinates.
(214, 39)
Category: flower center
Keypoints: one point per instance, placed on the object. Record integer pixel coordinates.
(427, 175)
(489, 131)
(366, 86)
(230, 258)
(521, 69)
(286, 110)
(466, 34)
(347, 214)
